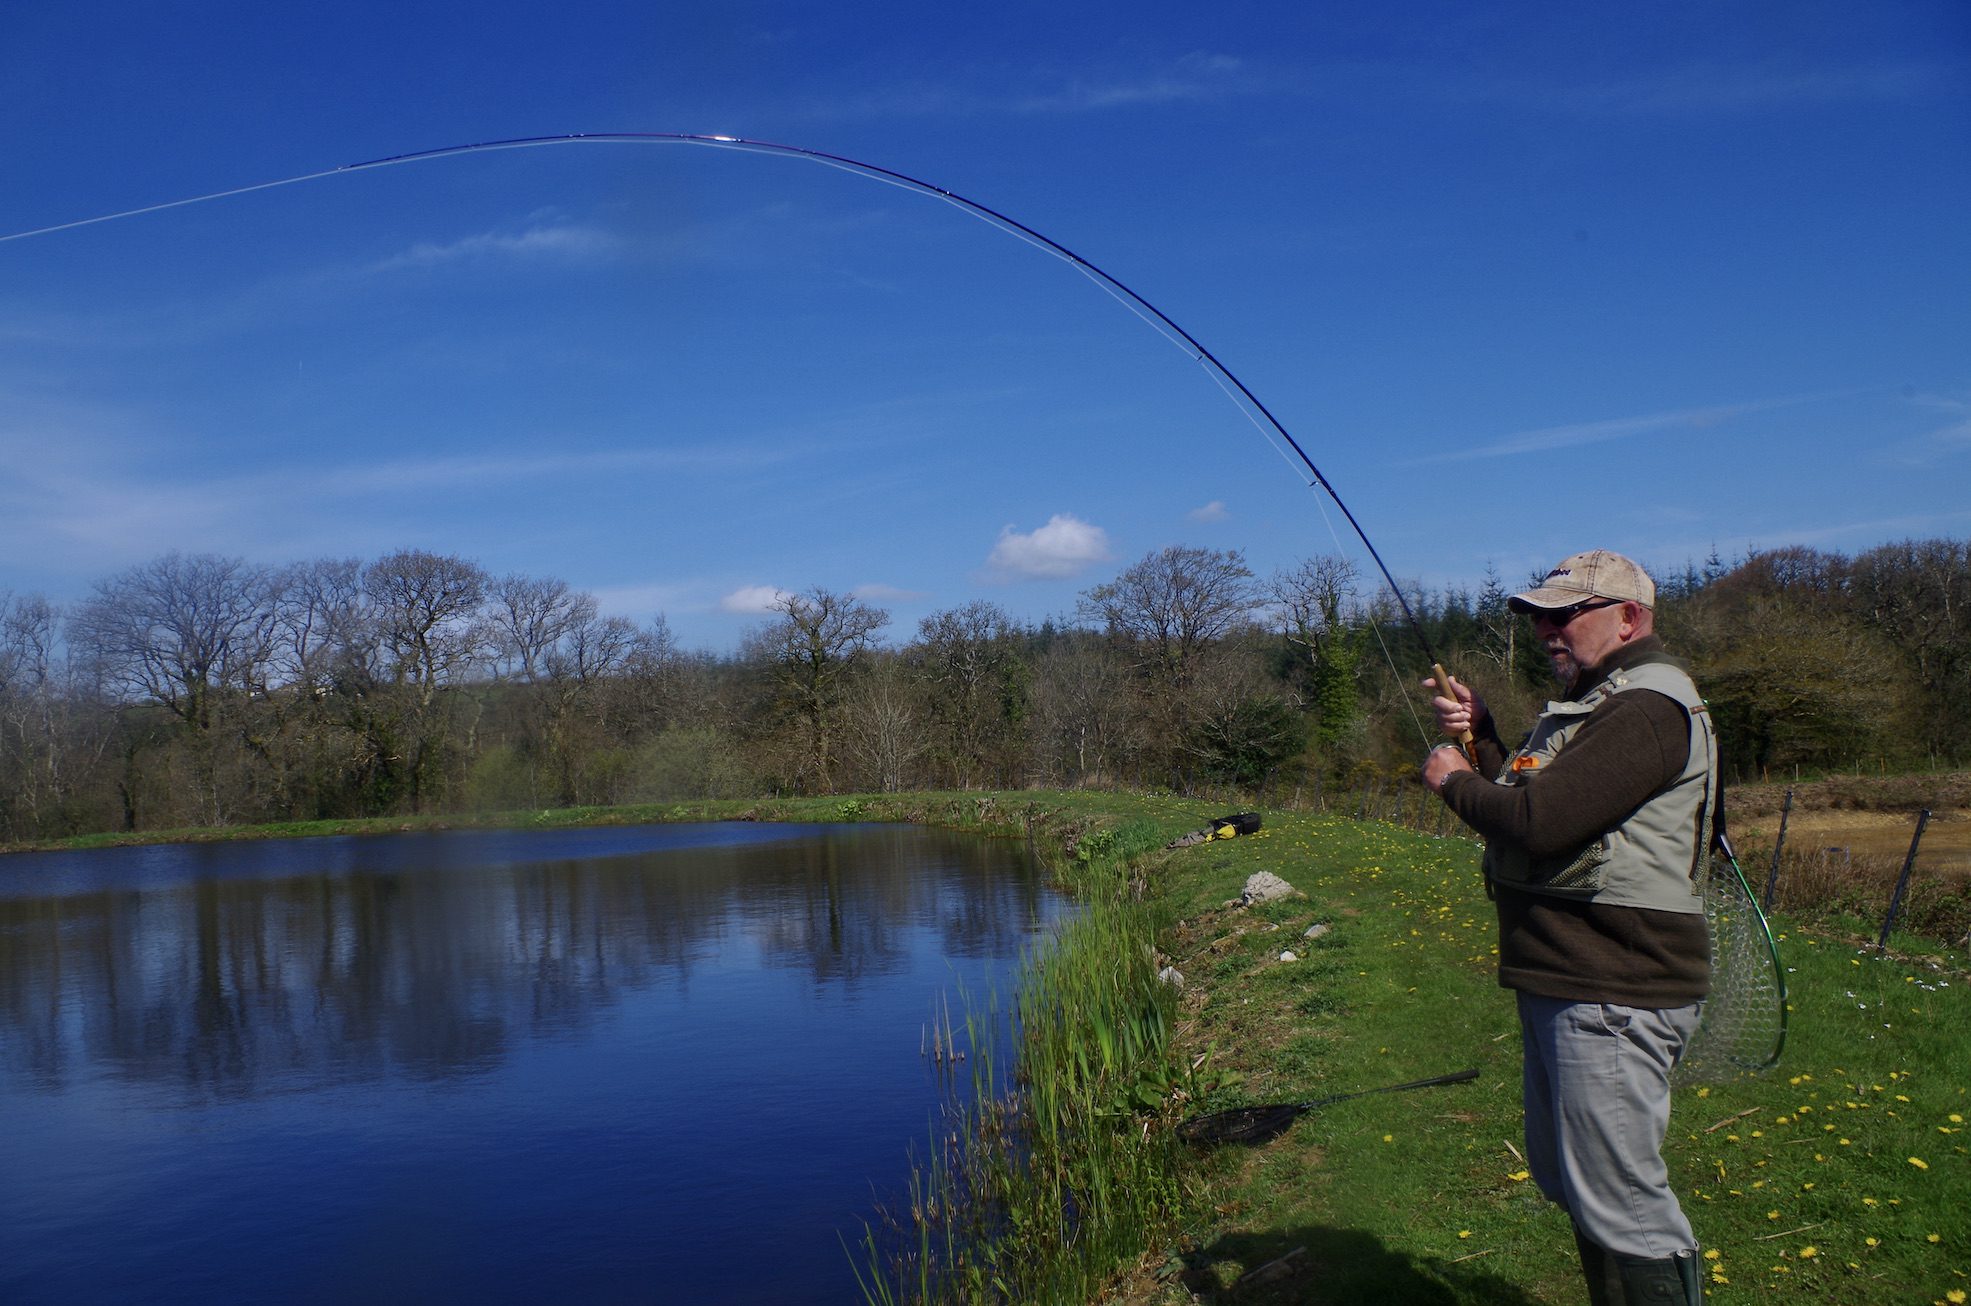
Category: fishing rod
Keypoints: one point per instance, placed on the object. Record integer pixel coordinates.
(1163, 322)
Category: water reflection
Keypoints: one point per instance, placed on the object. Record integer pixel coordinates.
(630, 967)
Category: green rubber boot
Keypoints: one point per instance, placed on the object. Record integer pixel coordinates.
(1598, 1267)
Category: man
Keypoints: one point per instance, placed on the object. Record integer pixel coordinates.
(1594, 830)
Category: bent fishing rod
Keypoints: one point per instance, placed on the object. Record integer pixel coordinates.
(1226, 379)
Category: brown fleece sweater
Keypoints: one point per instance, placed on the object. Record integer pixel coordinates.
(1632, 746)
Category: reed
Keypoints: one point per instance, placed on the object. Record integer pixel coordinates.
(1049, 1172)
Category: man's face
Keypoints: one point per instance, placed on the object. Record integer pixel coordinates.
(1581, 636)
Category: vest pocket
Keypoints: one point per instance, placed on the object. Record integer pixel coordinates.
(1584, 873)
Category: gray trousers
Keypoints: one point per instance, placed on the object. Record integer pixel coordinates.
(1597, 1095)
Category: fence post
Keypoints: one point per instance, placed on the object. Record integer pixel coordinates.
(1902, 881)
(1779, 842)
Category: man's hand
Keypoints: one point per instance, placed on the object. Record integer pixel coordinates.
(1458, 710)
(1444, 761)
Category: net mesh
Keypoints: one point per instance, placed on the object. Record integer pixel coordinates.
(1744, 1023)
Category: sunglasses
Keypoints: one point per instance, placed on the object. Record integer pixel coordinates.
(1561, 616)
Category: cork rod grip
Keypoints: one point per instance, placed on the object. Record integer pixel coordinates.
(1444, 688)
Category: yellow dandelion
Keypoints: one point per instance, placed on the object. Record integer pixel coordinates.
(1955, 1297)
(1772, 1215)
(1931, 1238)
(1389, 1138)
(1919, 1163)
(1873, 1242)
(1520, 1176)
(1464, 1233)
(1710, 1253)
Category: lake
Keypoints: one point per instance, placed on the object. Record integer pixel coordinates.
(626, 1064)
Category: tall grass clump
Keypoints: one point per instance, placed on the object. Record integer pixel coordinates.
(1047, 1175)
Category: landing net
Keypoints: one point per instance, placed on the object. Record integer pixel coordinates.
(1744, 1024)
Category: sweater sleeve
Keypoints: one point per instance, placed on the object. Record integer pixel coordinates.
(1629, 748)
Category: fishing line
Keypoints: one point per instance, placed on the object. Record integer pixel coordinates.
(1256, 412)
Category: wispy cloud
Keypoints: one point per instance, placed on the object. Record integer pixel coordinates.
(1549, 438)
(560, 240)
(1063, 548)
(1711, 88)
(98, 488)
(1213, 511)
(1940, 442)
(640, 603)
(1194, 78)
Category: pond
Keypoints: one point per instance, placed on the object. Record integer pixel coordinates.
(647, 1064)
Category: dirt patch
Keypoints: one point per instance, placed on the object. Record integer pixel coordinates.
(1946, 842)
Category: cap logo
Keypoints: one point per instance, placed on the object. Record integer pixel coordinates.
(1560, 571)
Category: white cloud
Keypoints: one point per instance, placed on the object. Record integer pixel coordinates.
(754, 600)
(1213, 511)
(1063, 547)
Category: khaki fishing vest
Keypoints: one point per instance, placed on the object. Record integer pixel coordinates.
(1652, 858)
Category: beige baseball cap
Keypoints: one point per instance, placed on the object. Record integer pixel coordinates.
(1596, 574)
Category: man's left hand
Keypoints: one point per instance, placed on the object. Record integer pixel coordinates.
(1444, 761)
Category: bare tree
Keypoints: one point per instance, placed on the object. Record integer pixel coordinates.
(432, 632)
(428, 616)
(882, 725)
(33, 712)
(1314, 601)
(809, 652)
(968, 659)
(1918, 592)
(1173, 603)
(1086, 720)
(533, 617)
(180, 631)
(322, 623)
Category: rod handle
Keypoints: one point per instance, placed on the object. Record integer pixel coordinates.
(1465, 742)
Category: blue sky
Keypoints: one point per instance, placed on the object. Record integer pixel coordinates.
(1522, 278)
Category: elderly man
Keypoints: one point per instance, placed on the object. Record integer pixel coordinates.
(1594, 830)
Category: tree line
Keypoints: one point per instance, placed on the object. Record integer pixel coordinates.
(203, 690)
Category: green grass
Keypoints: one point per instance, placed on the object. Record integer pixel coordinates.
(1423, 1196)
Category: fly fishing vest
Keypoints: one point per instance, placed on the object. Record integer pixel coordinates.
(1652, 858)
